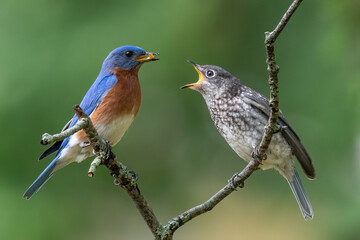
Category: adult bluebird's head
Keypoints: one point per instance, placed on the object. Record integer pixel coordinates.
(127, 58)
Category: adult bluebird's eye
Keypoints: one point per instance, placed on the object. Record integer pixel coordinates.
(210, 73)
(129, 53)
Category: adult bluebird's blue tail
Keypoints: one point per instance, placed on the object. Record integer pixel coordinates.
(41, 180)
(301, 197)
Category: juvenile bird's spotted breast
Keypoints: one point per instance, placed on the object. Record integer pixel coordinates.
(242, 126)
(230, 116)
(240, 115)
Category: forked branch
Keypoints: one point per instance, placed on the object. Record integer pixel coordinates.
(127, 179)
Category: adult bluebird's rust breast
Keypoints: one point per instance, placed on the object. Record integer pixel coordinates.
(122, 99)
(121, 102)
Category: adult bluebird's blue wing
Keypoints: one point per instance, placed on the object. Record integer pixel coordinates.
(95, 94)
(91, 100)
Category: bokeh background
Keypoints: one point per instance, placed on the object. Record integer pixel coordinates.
(51, 52)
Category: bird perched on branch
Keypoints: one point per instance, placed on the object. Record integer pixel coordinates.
(240, 115)
(112, 103)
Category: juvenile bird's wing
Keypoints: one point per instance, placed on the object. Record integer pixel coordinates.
(89, 103)
(262, 103)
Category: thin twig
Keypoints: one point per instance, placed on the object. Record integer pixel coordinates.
(175, 223)
(273, 69)
(271, 37)
(127, 179)
(49, 139)
(123, 177)
(271, 127)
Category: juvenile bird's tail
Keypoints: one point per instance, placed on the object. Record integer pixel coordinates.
(301, 197)
(41, 180)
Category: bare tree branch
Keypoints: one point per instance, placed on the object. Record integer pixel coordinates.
(270, 128)
(273, 69)
(123, 177)
(127, 179)
(175, 223)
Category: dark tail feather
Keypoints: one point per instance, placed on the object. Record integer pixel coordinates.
(301, 197)
(51, 150)
(41, 180)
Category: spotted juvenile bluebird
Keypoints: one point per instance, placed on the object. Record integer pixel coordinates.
(112, 103)
(240, 115)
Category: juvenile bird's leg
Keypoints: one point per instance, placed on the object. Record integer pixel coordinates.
(233, 184)
(256, 156)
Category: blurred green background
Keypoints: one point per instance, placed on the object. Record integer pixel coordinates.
(51, 52)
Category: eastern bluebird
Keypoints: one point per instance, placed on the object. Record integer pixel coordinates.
(240, 115)
(112, 103)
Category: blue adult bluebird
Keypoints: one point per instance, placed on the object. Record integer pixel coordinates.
(112, 103)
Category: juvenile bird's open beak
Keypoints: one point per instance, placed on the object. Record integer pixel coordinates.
(147, 57)
(201, 78)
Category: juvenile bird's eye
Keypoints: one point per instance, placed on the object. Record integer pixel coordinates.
(129, 53)
(210, 73)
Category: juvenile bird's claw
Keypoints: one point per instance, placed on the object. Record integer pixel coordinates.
(232, 184)
(277, 128)
(256, 156)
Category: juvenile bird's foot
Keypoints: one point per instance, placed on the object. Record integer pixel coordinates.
(277, 128)
(234, 185)
(256, 156)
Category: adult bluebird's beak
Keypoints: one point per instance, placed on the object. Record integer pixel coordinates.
(201, 78)
(147, 57)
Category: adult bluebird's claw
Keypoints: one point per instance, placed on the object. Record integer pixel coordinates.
(108, 149)
(134, 175)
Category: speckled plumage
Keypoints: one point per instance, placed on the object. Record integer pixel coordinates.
(242, 126)
(240, 115)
